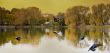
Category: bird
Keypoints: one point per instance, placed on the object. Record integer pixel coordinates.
(18, 38)
(94, 46)
(58, 33)
(55, 32)
(82, 38)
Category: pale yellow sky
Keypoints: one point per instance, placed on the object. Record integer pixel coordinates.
(49, 6)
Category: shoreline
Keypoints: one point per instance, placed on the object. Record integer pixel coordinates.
(87, 26)
(29, 26)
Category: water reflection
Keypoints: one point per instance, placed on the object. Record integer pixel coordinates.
(59, 40)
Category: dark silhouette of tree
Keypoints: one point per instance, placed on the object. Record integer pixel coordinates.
(60, 18)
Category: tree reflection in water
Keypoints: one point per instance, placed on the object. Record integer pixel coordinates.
(78, 37)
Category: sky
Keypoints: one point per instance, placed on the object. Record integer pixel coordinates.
(49, 6)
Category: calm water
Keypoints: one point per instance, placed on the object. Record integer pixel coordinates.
(54, 40)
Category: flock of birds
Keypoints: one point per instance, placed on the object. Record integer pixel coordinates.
(92, 48)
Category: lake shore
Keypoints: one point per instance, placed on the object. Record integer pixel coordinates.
(88, 26)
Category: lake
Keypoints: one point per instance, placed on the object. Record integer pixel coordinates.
(55, 40)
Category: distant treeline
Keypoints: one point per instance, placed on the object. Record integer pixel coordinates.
(97, 15)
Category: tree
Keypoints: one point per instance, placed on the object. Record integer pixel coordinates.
(61, 19)
(101, 14)
(27, 16)
(78, 14)
(6, 18)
